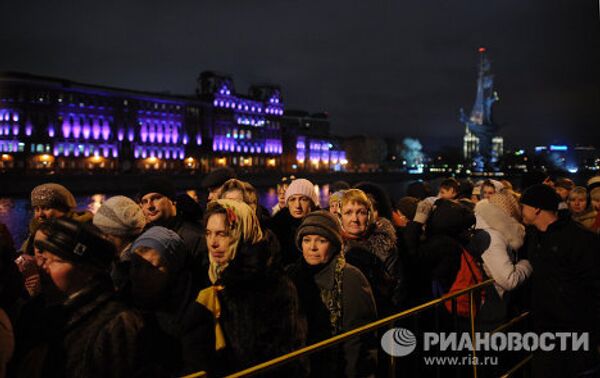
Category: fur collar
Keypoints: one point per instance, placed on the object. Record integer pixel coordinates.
(380, 239)
(491, 216)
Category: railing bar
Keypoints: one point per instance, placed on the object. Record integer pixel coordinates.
(517, 366)
(355, 332)
(511, 322)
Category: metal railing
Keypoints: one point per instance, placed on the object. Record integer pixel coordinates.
(376, 325)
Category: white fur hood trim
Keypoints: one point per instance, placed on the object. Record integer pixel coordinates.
(492, 217)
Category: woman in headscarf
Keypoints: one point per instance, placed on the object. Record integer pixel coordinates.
(255, 307)
(335, 297)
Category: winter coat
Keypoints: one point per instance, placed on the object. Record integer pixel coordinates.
(357, 357)
(565, 291)
(259, 313)
(183, 330)
(586, 219)
(7, 341)
(376, 256)
(284, 226)
(506, 237)
(90, 335)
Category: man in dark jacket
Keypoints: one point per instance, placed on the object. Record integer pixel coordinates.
(157, 199)
(565, 282)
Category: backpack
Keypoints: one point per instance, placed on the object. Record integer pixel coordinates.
(468, 274)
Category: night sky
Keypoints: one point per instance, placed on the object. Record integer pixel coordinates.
(391, 68)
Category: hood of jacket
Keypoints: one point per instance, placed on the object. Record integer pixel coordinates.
(489, 216)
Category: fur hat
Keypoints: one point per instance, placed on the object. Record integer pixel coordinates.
(541, 196)
(167, 243)
(77, 242)
(54, 196)
(507, 203)
(321, 223)
(160, 185)
(120, 216)
(304, 187)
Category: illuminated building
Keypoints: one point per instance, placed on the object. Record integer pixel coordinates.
(59, 125)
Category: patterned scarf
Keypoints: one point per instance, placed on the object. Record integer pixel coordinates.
(333, 298)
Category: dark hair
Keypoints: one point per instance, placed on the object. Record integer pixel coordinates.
(488, 183)
(450, 183)
(213, 208)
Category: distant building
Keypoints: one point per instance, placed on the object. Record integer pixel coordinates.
(308, 143)
(52, 124)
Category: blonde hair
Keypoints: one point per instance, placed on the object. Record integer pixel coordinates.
(578, 191)
(359, 197)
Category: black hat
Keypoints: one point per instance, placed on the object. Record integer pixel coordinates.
(160, 185)
(217, 178)
(541, 196)
(321, 223)
(449, 218)
(77, 242)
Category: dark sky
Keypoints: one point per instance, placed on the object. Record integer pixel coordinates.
(391, 68)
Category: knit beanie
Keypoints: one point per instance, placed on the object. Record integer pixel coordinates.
(54, 196)
(77, 242)
(407, 206)
(160, 185)
(120, 216)
(541, 196)
(507, 203)
(304, 187)
(167, 243)
(321, 223)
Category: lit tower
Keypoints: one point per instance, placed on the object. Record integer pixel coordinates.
(480, 142)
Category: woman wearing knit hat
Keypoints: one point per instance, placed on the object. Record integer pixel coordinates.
(50, 201)
(255, 307)
(122, 220)
(162, 289)
(370, 245)
(335, 297)
(300, 198)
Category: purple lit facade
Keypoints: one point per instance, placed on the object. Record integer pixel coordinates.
(51, 123)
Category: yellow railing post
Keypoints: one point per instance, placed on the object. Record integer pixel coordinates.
(473, 342)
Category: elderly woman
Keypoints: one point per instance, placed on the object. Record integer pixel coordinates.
(335, 297)
(370, 245)
(300, 199)
(255, 307)
(161, 287)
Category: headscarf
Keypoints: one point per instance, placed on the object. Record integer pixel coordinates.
(244, 228)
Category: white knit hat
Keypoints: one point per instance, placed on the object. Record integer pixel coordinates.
(120, 216)
(507, 202)
(304, 187)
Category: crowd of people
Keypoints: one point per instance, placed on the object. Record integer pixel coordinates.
(164, 284)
